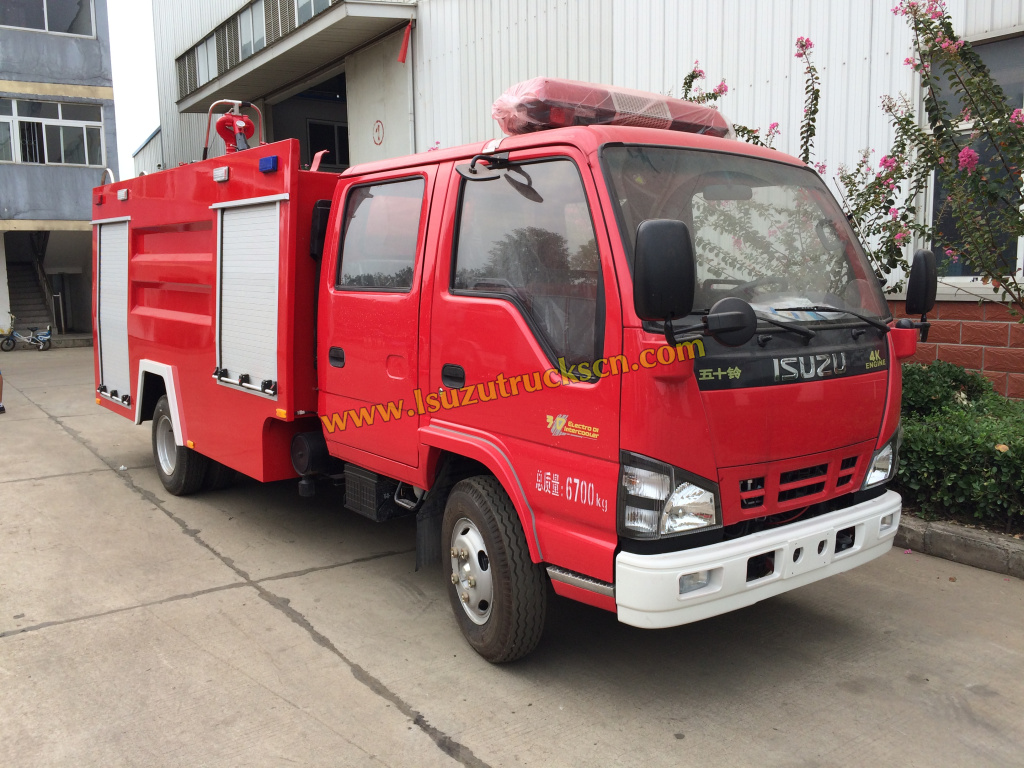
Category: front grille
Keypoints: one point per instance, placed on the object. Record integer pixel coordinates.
(803, 474)
(767, 489)
(799, 493)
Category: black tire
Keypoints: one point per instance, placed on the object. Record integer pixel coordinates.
(7, 344)
(181, 469)
(218, 476)
(44, 345)
(482, 528)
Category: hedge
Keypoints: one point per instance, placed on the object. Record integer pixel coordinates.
(962, 456)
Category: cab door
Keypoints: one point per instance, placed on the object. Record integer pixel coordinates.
(525, 304)
(368, 351)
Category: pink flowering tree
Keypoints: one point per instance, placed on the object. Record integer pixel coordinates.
(972, 140)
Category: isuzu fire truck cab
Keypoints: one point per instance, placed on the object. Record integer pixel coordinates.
(632, 357)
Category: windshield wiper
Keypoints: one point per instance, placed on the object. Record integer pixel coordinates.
(807, 333)
(826, 308)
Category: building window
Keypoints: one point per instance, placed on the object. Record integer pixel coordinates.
(330, 136)
(1002, 58)
(52, 133)
(252, 35)
(69, 17)
(206, 60)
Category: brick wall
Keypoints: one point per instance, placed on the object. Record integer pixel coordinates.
(983, 337)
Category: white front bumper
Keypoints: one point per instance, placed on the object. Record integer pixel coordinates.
(647, 586)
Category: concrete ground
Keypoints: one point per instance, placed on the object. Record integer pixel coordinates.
(249, 627)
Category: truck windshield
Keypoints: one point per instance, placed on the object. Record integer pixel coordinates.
(764, 231)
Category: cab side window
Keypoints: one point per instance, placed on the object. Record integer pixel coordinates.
(528, 237)
(379, 236)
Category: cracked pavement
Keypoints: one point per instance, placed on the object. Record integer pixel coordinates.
(250, 627)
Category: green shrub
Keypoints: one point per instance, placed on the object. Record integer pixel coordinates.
(931, 388)
(963, 447)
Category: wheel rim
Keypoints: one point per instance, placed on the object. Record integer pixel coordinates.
(471, 571)
(166, 448)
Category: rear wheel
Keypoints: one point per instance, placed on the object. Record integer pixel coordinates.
(218, 476)
(7, 344)
(181, 469)
(44, 345)
(498, 594)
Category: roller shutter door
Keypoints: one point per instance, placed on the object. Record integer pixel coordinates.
(249, 277)
(113, 308)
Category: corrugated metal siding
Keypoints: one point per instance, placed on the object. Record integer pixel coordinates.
(467, 53)
(148, 157)
(177, 26)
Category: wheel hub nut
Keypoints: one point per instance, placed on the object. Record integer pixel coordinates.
(465, 597)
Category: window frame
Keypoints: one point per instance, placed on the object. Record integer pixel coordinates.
(46, 24)
(962, 286)
(600, 309)
(336, 125)
(250, 10)
(422, 176)
(14, 120)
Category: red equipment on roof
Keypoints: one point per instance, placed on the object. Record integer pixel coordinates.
(543, 103)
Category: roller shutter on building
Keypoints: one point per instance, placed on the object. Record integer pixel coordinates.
(112, 311)
(248, 295)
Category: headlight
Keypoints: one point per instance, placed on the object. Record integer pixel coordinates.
(657, 500)
(884, 463)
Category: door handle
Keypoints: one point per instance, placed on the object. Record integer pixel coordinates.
(453, 376)
(336, 357)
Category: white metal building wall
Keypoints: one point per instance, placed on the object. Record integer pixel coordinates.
(148, 157)
(468, 52)
(177, 26)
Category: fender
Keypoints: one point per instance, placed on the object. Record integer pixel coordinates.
(169, 373)
(483, 447)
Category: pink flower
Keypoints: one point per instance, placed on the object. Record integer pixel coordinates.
(1017, 117)
(697, 70)
(890, 183)
(721, 89)
(901, 236)
(942, 161)
(803, 46)
(954, 258)
(894, 213)
(773, 129)
(820, 168)
(737, 243)
(910, 62)
(887, 162)
(968, 160)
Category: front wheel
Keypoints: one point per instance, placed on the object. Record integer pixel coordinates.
(181, 469)
(7, 344)
(498, 594)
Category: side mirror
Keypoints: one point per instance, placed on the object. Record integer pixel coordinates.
(922, 284)
(731, 322)
(318, 229)
(665, 271)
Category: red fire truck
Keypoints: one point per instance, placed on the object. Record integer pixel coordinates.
(618, 353)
